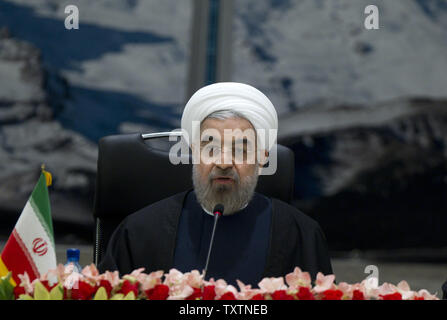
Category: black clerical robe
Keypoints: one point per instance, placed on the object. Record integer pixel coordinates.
(148, 239)
(240, 244)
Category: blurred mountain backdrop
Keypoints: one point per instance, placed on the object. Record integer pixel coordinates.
(363, 110)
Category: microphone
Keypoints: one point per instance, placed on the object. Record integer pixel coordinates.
(217, 211)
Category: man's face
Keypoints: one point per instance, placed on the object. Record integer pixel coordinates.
(228, 168)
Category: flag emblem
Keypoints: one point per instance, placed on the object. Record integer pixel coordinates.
(40, 246)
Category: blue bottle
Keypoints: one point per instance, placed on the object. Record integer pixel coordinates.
(73, 258)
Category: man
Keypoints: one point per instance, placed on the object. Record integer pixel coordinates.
(227, 125)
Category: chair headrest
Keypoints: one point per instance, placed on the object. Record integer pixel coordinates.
(134, 172)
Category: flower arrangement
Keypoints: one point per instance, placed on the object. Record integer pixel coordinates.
(63, 284)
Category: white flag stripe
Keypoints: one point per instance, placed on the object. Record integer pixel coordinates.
(29, 228)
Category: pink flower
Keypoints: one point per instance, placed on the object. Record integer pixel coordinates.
(246, 292)
(173, 278)
(272, 284)
(404, 289)
(407, 294)
(26, 283)
(387, 288)
(388, 291)
(137, 273)
(350, 289)
(221, 288)
(112, 277)
(91, 273)
(180, 292)
(347, 289)
(194, 279)
(151, 280)
(369, 288)
(298, 279)
(324, 283)
(426, 295)
(178, 286)
(191, 285)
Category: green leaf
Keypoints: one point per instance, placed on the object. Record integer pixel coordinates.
(6, 288)
(130, 278)
(130, 296)
(118, 296)
(57, 293)
(101, 294)
(25, 297)
(40, 292)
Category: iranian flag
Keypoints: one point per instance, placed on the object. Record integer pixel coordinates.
(30, 248)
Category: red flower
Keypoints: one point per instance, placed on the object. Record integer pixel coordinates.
(84, 291)
(18, 290)
(418, 298)
(66, 296)
(228, 296)
(209, 293)
(196, 294)
(107, 286)
(357, 295)
(128, 287)
(304, 293)
(47, 285)
(281, 295)
(258, 296)
(332, 295)
(159, 292)
(392, 296)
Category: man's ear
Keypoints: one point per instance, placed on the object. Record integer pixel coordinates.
(263, 158)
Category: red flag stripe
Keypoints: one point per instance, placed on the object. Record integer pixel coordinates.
(39, 246)
(16, 257)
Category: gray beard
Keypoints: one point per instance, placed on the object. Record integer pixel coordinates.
(233, 197)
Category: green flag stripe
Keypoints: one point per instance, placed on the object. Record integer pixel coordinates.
(40, 202)
(42, 222)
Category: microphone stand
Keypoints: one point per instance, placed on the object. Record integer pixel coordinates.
(216, 217)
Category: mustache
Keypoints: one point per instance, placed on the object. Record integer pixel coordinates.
(227, 173)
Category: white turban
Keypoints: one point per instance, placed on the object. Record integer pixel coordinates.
(241, 98)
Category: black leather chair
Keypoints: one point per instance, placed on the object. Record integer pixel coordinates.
(444, 291)
(134, 171)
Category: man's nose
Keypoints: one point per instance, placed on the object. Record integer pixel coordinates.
(226, 160)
